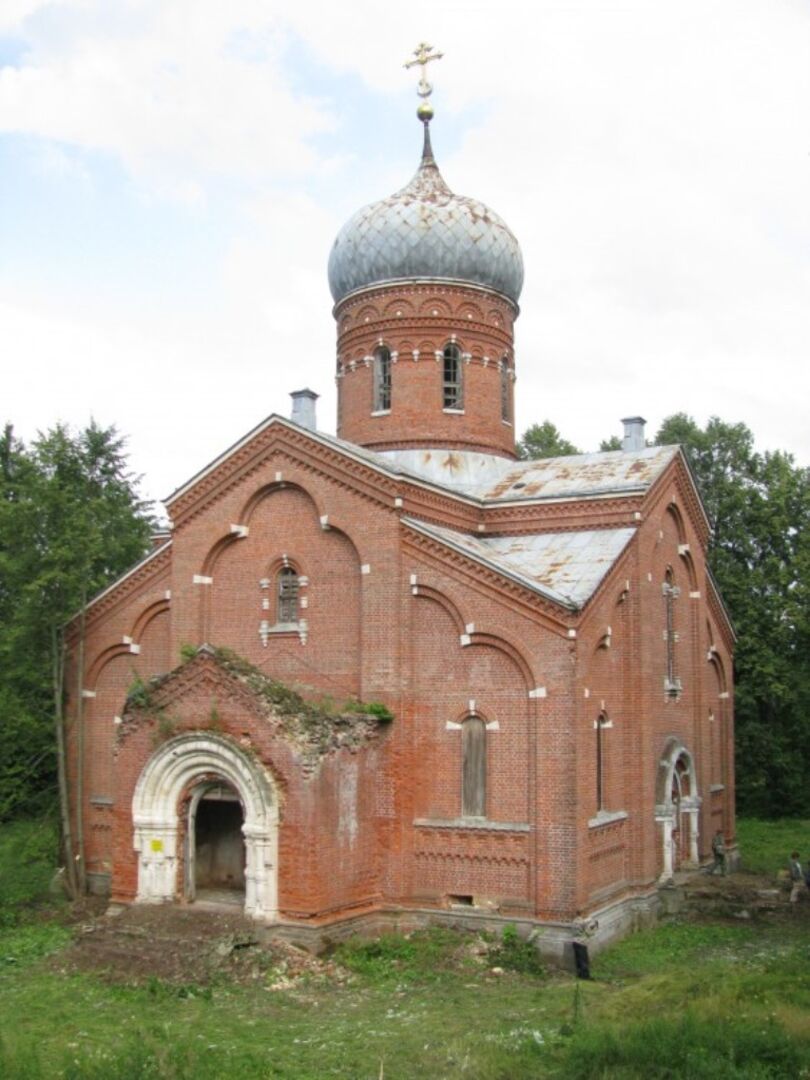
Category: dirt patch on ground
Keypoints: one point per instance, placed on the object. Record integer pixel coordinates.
(188, 947)
(742, 895)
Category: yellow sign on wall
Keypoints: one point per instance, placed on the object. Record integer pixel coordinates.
(157, 845)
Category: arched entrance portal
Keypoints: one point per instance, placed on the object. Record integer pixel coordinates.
(192, 771)
(677, 809)
(215, 845)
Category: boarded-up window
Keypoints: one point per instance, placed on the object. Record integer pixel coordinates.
(287, 596)
(474, 768)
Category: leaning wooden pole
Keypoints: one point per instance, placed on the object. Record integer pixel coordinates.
(61, 760)
(81, 876)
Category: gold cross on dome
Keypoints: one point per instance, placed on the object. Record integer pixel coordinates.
(424, 53)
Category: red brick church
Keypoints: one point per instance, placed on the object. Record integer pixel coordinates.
(399, 676)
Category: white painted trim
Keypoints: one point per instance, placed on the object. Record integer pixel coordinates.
(607, 817)
(471, 823)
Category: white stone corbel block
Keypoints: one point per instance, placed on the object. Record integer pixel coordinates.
(88, 693)
(538, 692)
(202, 579)
(470, 628)
(365, 568)
(451, 725)
(279, 477)
(398, 503)
(683, 549)
(324, 521)
(572, 632)
(239, 530)
(413, 579)
(493, 725)
(464, 639)
(167, 595)
(471, 705)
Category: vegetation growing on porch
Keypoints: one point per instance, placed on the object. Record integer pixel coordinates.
(315, 726)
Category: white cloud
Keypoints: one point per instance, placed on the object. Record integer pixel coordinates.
(653, 159)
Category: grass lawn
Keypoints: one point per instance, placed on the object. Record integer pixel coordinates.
(722, 999)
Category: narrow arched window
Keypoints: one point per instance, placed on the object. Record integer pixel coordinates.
(287, 595)
(601, 724)
(382, 379)
(452, 386)
(473, 767)
(506, 396)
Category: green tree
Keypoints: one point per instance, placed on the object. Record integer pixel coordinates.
(71, 520)
(613, 443)
(759, 505)
(544, 441)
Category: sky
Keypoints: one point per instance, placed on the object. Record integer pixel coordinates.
(173, 174)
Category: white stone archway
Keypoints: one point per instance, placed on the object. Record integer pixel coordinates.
(677, 805)
(155, 805)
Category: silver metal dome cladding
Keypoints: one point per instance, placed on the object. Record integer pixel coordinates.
(425, 231)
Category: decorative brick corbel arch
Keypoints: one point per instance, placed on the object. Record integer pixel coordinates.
(159, 607)
(427, 592)
(491, 640)
(156, 817)
(262, 493)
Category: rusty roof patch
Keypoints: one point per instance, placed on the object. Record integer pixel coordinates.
(565, 567)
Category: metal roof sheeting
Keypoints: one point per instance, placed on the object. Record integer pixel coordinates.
(496, 479)
(567, 567)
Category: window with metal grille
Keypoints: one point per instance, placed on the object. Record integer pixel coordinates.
(382, 379)
(452, 388)
(287, 606)
(473, 767)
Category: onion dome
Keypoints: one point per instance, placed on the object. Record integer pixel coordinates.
(424, 231)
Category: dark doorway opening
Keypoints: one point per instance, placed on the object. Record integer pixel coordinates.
(219, 847)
